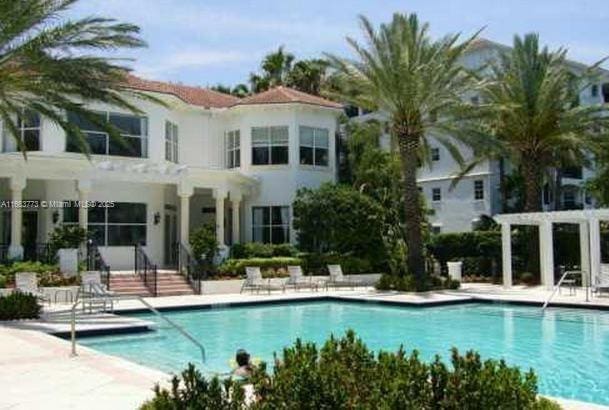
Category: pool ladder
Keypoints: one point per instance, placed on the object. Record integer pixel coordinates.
(557, 287)
(105, 297)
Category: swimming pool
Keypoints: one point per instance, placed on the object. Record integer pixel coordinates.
(568, 348)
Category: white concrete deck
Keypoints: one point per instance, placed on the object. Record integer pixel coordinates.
(39, 372)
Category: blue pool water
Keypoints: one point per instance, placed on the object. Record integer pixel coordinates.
(568, 348)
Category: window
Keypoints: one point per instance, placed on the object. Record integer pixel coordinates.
(475, 100)
(435, 154)
(124, 224)
(436, 194)
(594, 90)
(314, 146)
(133, 129)
(436, 229)
(478, 190)
(572, 172)
(233, 149)
(171, 142)
(28, 127)
(605, 91)
(269, 145)
(271, 224)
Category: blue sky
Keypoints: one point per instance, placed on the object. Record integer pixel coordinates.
(205, 42)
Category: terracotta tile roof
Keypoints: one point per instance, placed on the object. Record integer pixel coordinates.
(192, 95)
(284, 95)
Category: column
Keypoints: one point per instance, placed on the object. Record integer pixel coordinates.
(506, 252)
(15, 249)
(220, 195)
(185, 192)
(83, 186)
(236, 204)
(584, 251)
(595, 248)
(546, 257)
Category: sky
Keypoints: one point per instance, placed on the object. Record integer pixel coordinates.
(207, 42)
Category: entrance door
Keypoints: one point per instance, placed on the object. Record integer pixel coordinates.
(170, 238)
(29, 232)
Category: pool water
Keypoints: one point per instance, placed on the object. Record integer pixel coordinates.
(568, 348)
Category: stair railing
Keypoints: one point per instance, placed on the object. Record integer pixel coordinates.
(171, 323)
(146, 270)
(95, 262)
(189, 267)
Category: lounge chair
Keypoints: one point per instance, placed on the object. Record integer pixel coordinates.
(254, 281)
(94, 292)
(602, 280)
(337, 279)
(27, 282)
(297, 280)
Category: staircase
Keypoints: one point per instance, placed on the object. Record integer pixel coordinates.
(168, 284)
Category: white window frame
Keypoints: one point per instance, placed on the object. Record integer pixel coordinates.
(171, 142)
(269, 143)
(479, 190)
(433, 194)
(232, 146)
(143, 136)
(11, 145)
(318, 134)
(270, 225)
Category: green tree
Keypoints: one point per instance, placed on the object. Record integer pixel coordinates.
(308, 75)
(419, 83)
(532, 113)
(240, 90)
(46, 65)
(275, 67)
(338, 218)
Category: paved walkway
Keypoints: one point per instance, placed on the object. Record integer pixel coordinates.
(37, 372)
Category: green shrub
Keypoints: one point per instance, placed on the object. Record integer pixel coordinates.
(203, 242)
(270, 267)
(192, 391)
(7, 272)
(407, 283)
(66, 237)
(261, 250)
(19, 305)
(345, 374)
(316, 263)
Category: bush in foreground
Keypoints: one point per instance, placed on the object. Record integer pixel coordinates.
(406, 283)
(19, 305)
(345, 374)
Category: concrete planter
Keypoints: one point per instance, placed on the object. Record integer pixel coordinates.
(59, 294)
(218, 287)
(68, 262)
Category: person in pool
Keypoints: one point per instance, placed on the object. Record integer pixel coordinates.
(244, 364)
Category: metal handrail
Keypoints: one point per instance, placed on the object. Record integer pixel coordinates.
(95, 261)
(146, 270)
(154, 310)
(188, 266)
(557, 287)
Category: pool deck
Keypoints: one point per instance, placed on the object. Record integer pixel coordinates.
(39, 372)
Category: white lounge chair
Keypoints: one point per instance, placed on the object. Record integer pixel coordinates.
(337, 279)
(254, 281)
(94, 291)
(601, 284)
(27, 282)
(297, 280)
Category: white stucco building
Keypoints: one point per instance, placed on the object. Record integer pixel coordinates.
(478, 193)
(205, 157)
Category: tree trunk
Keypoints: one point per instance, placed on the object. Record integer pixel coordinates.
(408, 146)
(532, 170)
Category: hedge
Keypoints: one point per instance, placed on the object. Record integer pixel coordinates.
(270, 267)
(316, 263)
(345, 374)
(48, 275)
(19, 305)
(262, 250)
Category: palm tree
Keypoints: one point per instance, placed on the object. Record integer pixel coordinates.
(45, 65)
(419, 83)
(275, 69)
(532, 113)
(308, 75)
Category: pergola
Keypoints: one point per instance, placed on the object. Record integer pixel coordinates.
(589, 240)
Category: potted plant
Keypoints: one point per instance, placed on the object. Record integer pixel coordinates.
(65, 241)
